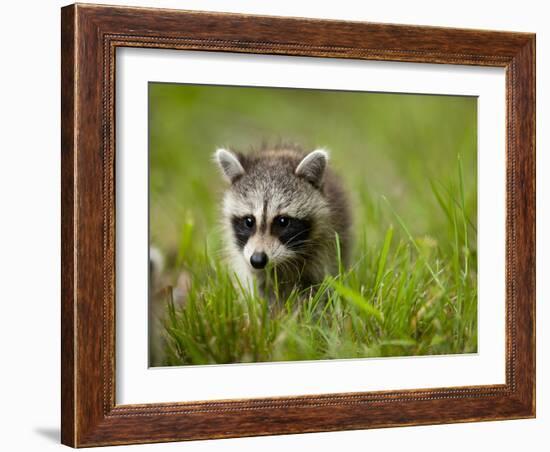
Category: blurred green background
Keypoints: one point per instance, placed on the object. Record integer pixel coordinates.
(393, 145)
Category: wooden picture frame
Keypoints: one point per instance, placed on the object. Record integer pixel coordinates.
(90, 35)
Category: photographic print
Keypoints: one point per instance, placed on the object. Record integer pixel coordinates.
(276, 225)
(298, 224)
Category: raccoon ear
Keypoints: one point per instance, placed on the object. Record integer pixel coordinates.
(312, 167)
(229, 164)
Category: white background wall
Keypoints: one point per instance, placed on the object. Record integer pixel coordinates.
(29, 226)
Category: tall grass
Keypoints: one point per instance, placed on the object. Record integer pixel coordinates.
(407, 296)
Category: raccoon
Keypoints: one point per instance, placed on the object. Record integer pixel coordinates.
(284, 210)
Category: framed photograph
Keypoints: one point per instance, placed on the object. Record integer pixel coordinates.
(282, 225)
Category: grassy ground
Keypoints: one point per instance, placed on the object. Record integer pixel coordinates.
(409, 163)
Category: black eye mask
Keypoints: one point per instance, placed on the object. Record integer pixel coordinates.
(243, 229)
(293, 233)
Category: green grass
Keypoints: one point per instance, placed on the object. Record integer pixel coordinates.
(409, 163)
(411, 296)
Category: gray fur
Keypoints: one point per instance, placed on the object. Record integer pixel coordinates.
(285, 182)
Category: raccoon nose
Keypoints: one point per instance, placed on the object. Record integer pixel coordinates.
(258, 260)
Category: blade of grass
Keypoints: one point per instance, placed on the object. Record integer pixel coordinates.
(358, 300)
(383, 257)
(411, 239)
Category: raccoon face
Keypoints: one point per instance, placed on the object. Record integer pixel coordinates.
(274, 205)
(276, 239)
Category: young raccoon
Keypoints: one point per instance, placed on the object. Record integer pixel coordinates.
(283, 210)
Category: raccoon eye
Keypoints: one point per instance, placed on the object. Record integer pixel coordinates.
(282, 221)
(249, 222)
